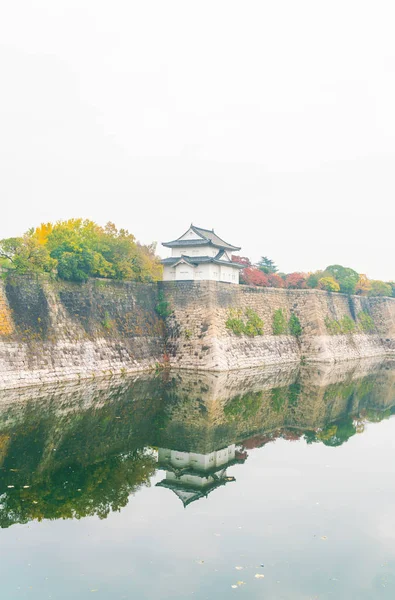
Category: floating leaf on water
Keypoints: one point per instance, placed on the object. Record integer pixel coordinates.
(234, 587)
(200, 562)
(323, 537)
(10, 486)
(259, 576)
(240, 582)
(239, 568)
(26, 486)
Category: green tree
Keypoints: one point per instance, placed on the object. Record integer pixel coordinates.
(346, 278)
(313, 279)
(84, 249)
(26, 255)
(337, 434)
(379, 288)
(266, 265)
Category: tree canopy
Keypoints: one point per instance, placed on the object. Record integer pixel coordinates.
(77, 249)
(335, 278)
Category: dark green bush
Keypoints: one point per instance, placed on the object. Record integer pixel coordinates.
(295, 327)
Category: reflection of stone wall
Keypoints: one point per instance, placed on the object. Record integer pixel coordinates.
(198, 337)
(190, 412)
(52, 331)
(207, 411)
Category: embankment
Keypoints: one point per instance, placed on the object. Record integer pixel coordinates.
(51, 331)
(198, 337)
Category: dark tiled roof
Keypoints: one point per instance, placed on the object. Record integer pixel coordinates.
(193, 494)
(173, 260)
(198, 260)
(176, 243)
(207, 237)
(191, 470)
(213, 237)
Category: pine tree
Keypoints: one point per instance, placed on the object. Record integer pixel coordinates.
(266, 265)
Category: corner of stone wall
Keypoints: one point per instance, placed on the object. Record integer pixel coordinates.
(191, 328)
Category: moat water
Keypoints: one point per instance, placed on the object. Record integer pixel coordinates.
(273, 484)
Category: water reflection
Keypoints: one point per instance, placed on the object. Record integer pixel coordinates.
(192, 476)
(80, 450)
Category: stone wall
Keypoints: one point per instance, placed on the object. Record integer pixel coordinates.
(52, 331)
(197, 336)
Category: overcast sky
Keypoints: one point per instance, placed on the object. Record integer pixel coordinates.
(271, 121)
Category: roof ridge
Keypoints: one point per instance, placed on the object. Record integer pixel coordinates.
(202, 229)
(204, 236)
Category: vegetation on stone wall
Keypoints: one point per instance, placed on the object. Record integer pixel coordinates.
(77, 249)
(283, 327)
(346, 325)
(162, 308)
(243, 407)
(244, 323)
(366, 322)
(335, 278)
(280, 325)
(295, 327)
(249, 323)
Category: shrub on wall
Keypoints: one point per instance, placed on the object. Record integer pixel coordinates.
(162, 309)
(248, 323)
(332, 326)
(366, 322)
(235, 325)
(254, 325)
(345, 325)
(295, 327)
(279, 322)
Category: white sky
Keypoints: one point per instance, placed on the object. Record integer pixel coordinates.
(271, 121)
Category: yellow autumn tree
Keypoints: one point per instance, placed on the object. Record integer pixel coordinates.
(329, 284)
(363, 286)
(41, 233)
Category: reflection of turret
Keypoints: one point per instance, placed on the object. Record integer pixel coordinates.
(97, 435)
(192, 476)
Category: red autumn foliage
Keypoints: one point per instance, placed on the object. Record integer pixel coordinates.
(241, 260)
(296, 281)
(253, 276)
(257, 441)
(291, 435)
(275, 280)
